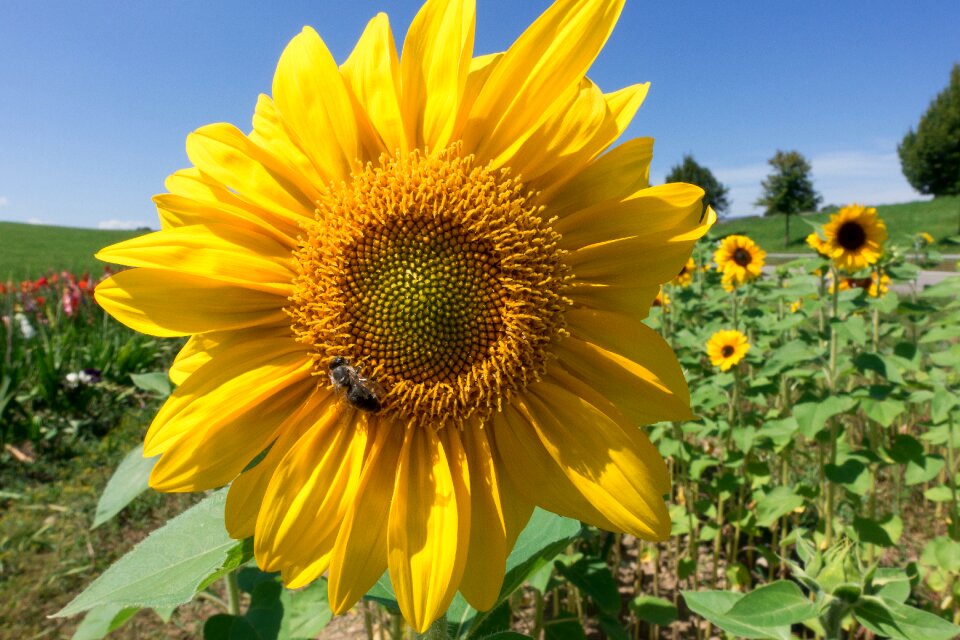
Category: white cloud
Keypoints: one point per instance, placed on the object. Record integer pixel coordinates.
(122, 224)
(4, 201)
(35, 221)
(841, 177)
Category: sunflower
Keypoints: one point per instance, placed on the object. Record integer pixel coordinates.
(739, 259)
(685, 277)
(727, 348)
(854, 237)
(414, 295)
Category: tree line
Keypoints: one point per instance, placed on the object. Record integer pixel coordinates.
(929, 159)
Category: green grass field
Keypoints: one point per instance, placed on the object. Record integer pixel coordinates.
(937, 217)
(29, 250)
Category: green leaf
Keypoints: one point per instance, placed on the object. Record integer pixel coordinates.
(880, 365)
(506, 635)
(885, 532)
(168, 566)
(938, 494)
(892, 584)
(127, 482)
(882, 411)
(942, 553)
(714, 605)
(654, 610)
(305, 612)
(263, 617)
(780, 432)
(594, 579)
(924, 470)
(773, 605)
(564, 627)
(777, 503)
(103, 620)
(813, 416)
(156, 382)
(902, 622)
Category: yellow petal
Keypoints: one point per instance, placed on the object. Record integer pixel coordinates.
(167, 303)
(426, 534)
(360, 554)
(632, 301)
(647, 213)
(526, 86)
(645, 259)
(649, 391)
(176, 210)
(214, 452)
(273, 134)
(308, 495)
(245, 497)
(373, 73)
(534, 472)
(497, 515)
(434, 65)
(313, 100)
(192, 356)
(217, 251)
(621, 474)
(236, 375)
(621, 172)
(222, 152)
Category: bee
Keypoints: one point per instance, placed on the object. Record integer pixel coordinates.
(362, 393)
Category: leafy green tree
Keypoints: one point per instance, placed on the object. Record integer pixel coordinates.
(788, 189)
(930, 156)
(693, 173)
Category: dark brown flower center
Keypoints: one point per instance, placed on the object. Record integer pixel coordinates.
(727, 351)
(742, 257)
(851, 236)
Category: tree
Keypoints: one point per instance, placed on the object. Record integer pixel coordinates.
(789, 189)
(691, 172)
(930, 156)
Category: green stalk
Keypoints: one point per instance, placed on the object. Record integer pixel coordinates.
(233, 593)
(951, 475)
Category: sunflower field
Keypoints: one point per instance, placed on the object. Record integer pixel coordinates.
(814, 496)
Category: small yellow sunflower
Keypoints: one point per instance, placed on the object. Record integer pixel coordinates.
(727, 348)
(854, 237)
(685, 277)
(796, 305)
(925, 238)
(739, 259)
(414, 293)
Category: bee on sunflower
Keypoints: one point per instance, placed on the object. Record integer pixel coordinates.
(411, 296)
(740, 260)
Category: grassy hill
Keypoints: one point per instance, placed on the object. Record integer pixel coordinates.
(937, 217)
(29, 250)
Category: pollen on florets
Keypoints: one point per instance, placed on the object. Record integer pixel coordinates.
(436, 278)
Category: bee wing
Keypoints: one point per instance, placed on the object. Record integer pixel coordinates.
(374, 387)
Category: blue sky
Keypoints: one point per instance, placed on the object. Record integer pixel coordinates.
(96, 98)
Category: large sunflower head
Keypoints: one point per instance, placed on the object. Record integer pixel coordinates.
(727, 348)
(815, 242)
(414, 294)
(739, 259)
(854, 237)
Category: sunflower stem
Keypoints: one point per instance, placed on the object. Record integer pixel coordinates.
(233, 593)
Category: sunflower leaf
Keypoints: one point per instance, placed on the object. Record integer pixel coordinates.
(167, 567)
(127, 482)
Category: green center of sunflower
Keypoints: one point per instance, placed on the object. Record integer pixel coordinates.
(727, 351)
(435, 279)
(742, 257)
(851, 236)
